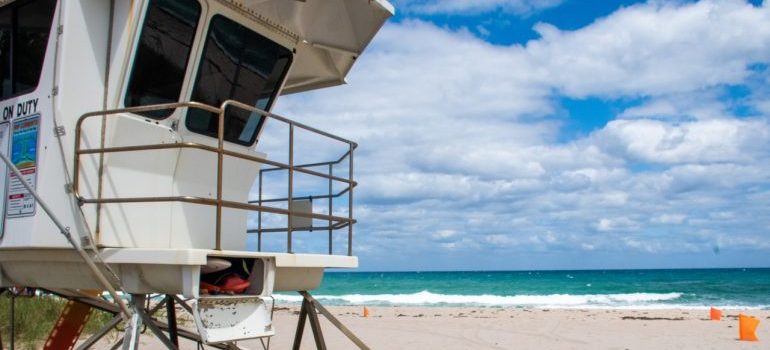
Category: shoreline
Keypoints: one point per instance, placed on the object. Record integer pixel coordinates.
(652, 307)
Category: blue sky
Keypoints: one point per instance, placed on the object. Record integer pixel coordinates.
(557, 134)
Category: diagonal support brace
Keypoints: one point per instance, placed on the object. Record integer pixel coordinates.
(308, 310)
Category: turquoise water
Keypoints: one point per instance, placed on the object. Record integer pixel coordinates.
(695, 288)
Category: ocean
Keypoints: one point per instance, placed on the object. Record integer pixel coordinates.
(614, 289)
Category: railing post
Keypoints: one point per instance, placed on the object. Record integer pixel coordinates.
(331, 172)
(76, 161)
(350, 202)
(220, 160)
(291, 187)
(259, 216)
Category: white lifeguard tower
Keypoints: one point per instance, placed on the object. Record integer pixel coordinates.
(135, 158)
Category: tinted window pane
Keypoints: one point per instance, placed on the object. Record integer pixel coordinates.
(33, 25)
(6, 87)
(237, 64)
(162, 54)
(24, 30)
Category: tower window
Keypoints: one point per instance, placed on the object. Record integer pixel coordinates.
(237, 64)
(24, 30)
(162, 54)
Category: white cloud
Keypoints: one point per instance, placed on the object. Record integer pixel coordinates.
(461, 141)
(587, 247)
(669, 219)
(500, 240)
(723, 215)
(687, 106)
(715, 140)
(444, 234)
(616, 224)
(644, 246)
(655, 49)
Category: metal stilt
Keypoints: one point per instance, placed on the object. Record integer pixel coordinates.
(309, 310)
(2, 291)
(13, 322)
(153, 327)
(171, 318)
(315, 326)
(300, 325)
(139, 318)
(134, 325)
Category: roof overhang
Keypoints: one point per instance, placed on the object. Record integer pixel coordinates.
(329, 35)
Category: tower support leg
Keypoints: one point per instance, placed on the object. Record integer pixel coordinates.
(171, 318)
(309, 310)
(300, 325)
(315, 325)
(134, 325)
(11, 343)
(141, 317)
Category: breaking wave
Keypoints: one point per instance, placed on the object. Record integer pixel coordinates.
(426, 298)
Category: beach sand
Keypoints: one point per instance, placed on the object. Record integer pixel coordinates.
(447, 328)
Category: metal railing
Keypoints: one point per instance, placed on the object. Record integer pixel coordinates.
(330, 196)
(334, 222)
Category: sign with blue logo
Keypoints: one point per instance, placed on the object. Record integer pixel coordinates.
(24, 155)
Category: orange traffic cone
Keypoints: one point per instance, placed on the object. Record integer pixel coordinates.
(366, 311)
(716, 314)
(747, 327)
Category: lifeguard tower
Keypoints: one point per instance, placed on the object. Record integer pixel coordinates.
(140, 160)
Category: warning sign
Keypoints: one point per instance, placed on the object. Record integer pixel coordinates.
(24, 137)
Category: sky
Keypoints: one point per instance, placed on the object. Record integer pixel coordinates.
(557, 134)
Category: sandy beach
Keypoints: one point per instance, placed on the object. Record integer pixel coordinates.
(518, 328)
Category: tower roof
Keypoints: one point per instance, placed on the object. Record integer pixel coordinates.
(329, 34)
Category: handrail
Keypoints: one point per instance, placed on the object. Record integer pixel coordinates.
(113, 112)
(291, 168)
(312, 165)
(320, 196)
(335, 221)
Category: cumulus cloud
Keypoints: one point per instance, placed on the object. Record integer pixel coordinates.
(655, 49)
(462, 144)
(709, 141)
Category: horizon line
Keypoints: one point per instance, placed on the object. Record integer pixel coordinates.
(343, 270)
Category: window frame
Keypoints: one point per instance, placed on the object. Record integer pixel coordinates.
(177, 119)
(194, 77)
(192, 57)
(13, 6)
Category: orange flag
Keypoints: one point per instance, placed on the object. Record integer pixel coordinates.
(366, 311)
(747, 327)
(716, 314)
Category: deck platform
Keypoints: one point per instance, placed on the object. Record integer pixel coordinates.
(168, 271)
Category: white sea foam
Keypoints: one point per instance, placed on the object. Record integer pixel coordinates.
(647, 301)
(628, 300)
